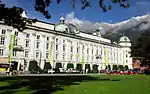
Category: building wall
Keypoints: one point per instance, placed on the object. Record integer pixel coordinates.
(113, 55)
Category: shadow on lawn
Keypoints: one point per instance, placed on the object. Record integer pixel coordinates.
(46, 84)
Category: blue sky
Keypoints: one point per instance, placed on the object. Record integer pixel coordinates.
(94, 14)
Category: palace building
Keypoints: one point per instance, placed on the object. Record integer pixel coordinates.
(63, 46)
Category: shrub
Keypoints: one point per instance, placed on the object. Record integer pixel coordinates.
(33, 67)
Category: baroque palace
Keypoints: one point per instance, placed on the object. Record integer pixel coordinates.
(63, 46)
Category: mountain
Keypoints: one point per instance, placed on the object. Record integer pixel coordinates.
(132, 27)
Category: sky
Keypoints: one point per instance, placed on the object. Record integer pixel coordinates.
(93, 14)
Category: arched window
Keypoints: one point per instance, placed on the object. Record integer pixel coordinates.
(66, 30)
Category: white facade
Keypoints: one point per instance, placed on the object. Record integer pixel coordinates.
(70, 45)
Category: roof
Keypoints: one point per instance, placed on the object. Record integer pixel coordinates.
(124, 39)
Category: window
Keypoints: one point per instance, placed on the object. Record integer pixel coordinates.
(26, 53)
(37, 44)
(27, 43)
(97, 52)
(63, 47)
(37, 55)
(3, 31)
(47, 55)
(27, 35)
(63, 41)
(16, 42)
(66, 29)
(56, 47)
(56, 56)
(47, 46)
(56, 40)
(2, 40)
(77, 49)
(38, 37)
(87, 50)
(63, 57)
(47, 39)
(14, 53)
(92, 58)
(87, 57)
(1, 52)
(9, 30)
(16, 33)
(92, 51)
(71, 49)
(70, 56)
(126, 61)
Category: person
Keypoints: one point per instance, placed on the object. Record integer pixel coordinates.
(7, 71)
(86, 71)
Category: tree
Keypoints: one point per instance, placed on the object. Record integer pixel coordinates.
(13, 16)
(41, 5)
(33, 67)
(141, 49)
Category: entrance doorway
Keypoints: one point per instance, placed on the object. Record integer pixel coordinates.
(79, 67)
(95, 68)
(87, 66)
(70, 65)
(14, 65)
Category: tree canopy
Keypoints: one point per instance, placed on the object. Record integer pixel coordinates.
(141, 49)
(12, 16)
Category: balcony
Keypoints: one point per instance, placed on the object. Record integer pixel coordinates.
(18, 48)
(98, 56)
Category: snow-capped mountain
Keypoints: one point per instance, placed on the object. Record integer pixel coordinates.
(132, 27)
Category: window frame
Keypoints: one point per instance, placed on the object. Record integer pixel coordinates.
(1, 52)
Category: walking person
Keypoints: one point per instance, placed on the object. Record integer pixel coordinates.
(7, 71)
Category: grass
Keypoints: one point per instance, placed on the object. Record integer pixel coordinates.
(97, 84)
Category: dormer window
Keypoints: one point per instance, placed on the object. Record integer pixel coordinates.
(38, 37)
(16, 33)
(27, 35)
(125, 39)
(47, 38)
(3, 31)
(66, 30)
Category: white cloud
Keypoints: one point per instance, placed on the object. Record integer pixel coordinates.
(83, 25)
(88, 26)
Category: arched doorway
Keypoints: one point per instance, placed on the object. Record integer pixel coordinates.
(14, 65)
(70, 65)
(47, 66)
(115, 67)
(109, 67)
(79, 67)
(95, 68)
(58, 65)
(126, 67)
(87, 66)
(120, 67)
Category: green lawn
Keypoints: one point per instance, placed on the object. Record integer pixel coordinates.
(102, 84)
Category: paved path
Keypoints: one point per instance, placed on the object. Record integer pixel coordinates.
(54, 74)
(58, 74)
